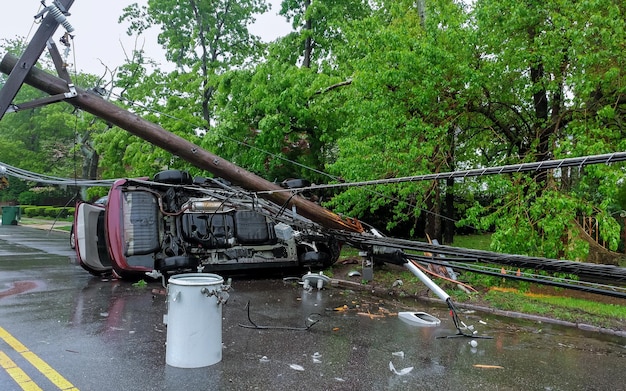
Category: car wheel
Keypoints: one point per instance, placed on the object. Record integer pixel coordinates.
(176, 263)
(174, 177)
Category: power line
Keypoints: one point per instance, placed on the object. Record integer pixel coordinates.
(53, 180)
(268, 153)
(508, 169)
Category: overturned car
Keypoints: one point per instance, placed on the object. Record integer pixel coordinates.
(176, 223)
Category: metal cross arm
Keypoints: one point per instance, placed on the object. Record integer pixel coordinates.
(32, 53)
(62, 71)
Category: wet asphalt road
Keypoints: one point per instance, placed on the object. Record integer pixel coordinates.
(105, 334)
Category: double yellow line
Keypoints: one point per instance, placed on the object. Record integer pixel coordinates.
(20, 377)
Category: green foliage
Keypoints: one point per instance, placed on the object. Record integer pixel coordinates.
(520, 110)
(47, 212)
(141, 284)
(12, 193)
(29, 198)
(477, 242)
(320, 29)
(564, 308)
(44, 196)
(401, 109)
(93, 193)
(204, 39)
(42, 139)
(278, 112)
(34, 211)
(49, 139)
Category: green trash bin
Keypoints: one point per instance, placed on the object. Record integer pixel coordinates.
(10, 215)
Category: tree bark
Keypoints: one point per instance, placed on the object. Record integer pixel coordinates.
(308, 42)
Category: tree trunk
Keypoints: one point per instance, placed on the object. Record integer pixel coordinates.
(449, 215)
(448, 223)
(432, 226)
(543, 130)
(308, 42)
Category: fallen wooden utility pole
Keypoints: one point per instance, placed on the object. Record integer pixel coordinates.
(178, 146)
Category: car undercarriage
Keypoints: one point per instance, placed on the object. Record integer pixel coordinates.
(176, 223)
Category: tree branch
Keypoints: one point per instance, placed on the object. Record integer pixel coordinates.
(332, 87)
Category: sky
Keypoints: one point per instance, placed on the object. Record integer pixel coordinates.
(99, 38)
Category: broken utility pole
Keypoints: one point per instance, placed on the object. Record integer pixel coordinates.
(178, 146)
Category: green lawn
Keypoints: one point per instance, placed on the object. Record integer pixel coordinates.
(511, 295)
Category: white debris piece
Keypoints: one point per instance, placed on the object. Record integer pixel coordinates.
(473, 343)
(398, 354)
(264, 359)
(296, 367)
(421, 319)
(316, 357)
(401, 372)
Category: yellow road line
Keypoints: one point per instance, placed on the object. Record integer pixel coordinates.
(37, 362)
(14, 343)
(20, 377)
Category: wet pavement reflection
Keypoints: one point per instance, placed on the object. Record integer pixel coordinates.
(109, 334)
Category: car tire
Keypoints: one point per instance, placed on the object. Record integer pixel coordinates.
(174, 177)
(314, 258)
(176, 263)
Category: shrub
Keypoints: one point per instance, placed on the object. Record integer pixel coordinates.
(65, 212)
(28, 198)
(30, 211)
(96, 192)
(39, 211)
(49, 212)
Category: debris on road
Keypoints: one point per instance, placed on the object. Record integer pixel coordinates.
(401, 372)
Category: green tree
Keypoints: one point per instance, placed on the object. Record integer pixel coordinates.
(285, 112)
(202, 38)
(543, 92)
(53, 139)
(275, 121)
(403, 107)
(319, 26)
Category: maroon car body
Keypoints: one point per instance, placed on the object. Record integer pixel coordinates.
(129, 261)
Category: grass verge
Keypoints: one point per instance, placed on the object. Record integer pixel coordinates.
(507, 295)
